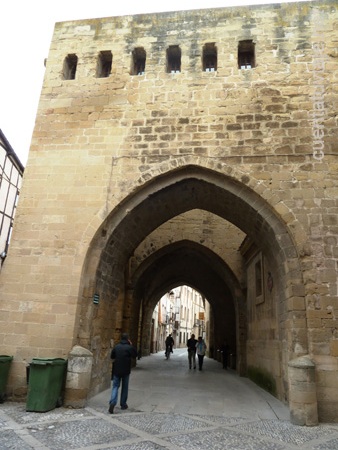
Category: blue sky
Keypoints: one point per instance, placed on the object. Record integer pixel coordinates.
(25, 35)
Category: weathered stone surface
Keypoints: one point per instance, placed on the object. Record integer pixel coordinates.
(174, 171)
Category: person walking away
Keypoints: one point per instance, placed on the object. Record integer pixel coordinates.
(225, 355)
(200, 349)
(122, 355)
(169, 342)
(191, 344)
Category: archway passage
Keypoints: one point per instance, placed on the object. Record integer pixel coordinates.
(186, 262)
(124, 283)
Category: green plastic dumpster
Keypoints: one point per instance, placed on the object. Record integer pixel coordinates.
(46, 383)
(5, 363)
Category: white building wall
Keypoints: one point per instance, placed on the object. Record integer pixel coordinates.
(11, 172)
(180, 312)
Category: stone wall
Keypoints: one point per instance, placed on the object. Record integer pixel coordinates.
(264, 336)
(119, 162)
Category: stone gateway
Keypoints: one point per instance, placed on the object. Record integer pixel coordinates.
(199, 148)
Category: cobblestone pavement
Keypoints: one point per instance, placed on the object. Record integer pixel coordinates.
(170, 407)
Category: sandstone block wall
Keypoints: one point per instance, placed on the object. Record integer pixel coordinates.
(122, 166)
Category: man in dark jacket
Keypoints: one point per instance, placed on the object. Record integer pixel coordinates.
(191, 344)
(122, 355)
(169, 342)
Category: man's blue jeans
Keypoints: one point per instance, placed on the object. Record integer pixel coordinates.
(115, 389)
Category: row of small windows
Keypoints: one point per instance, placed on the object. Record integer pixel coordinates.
(246, 60)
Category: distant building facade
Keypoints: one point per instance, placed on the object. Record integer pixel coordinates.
(180, 312)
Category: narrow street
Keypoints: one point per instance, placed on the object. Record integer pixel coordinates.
(160, 385)
(170, 407)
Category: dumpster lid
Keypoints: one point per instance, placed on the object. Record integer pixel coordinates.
(45, 361)
(5, 358)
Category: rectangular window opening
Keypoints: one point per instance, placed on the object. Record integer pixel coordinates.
(209, 58)
(69, 67)
(104, 64)
(173, 59)
(138, 61)
(246, 55)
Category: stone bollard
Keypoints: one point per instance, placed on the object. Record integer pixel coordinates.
(79, 372)
(302, 392)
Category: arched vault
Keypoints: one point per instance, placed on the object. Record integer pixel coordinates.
(157, 201)
(182, 190)
(184, 262)
(193, 264)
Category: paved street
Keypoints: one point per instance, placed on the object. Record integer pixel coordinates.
(170, 407)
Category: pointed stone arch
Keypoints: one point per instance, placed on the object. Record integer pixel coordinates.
(190, 263)
(171, 191)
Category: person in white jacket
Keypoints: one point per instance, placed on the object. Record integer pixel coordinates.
(200, 350)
